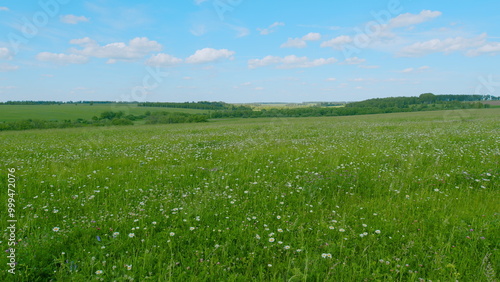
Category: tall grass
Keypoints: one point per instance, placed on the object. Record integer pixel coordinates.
(398, 197)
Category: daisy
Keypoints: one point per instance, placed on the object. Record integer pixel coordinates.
(55, 229)
(98, 272)
(271, 240)
(131, 235)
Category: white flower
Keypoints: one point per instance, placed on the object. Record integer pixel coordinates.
(271, 240)
(55, 229)
(98, 272)
(377, 231)
(172, 233)
(131, 235)
(342, 230)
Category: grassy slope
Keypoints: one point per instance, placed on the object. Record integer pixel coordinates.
(428, 181)
(72, 112)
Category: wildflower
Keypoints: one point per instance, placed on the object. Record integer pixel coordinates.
(278, 217)
(324, 255)
(377, 231)
(257, 236)
(98, 272)
(131, 235)
(280, 230)
(342, 230)
(286, 247)
(154, 222)
(172, 233)
(116, 234)
(271, 240)
(361, 235)
(191, 228)
(129, 267)
(331, 227)
(269, 265)
(55, 229)
(364, 225)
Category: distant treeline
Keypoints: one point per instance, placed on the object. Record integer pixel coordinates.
(105, 119)
(426, 98)
(203, 105)
(60, 102)
(343, 111)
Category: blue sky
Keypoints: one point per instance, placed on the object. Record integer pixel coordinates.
(246, 51)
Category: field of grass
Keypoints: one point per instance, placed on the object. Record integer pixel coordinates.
(395, 197)
(76, 111)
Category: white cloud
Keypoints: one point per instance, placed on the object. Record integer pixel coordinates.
(311, 36)
(412, 19)
(137, 48)
(337, 42)
(294, 43)
(8, 67)
(491, 48)
(4, 9)
(331, 79)
(162, 60)
(301, 42)
(241, 31)
(271, 28)
(5, 54)
(208, 55)
(368, 67)
(198, 29)
(353, 61)
(72, 19)
(415, 70)
(446, 46)
(259, 88)
(289, 62)
(62, 59)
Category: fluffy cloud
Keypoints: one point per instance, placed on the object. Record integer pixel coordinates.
(491, 48)
(271, 28)
(137, 48)
(337, 42)
(311, 36)
(353, 61)
(412, 19)
(301, 42)
(8, 67)
(4, 9)
(289, 62)
(447, 46)
(62, 59)
(162, 60)
(5, 54)
(72, 19)
(208, 55)
(415, 70)
(294, 43)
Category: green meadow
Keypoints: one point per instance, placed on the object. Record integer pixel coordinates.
(75, 111)
(392, 197)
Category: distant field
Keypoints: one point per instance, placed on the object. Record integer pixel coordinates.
(73, 112)
(387, 197)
